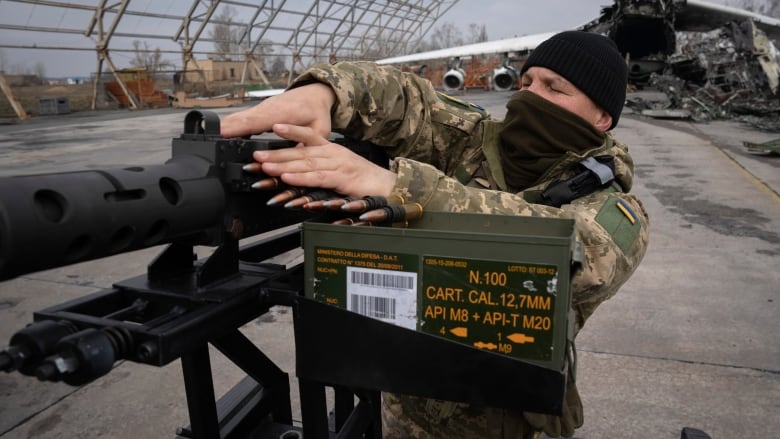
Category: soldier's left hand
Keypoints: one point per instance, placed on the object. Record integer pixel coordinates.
(316, 162)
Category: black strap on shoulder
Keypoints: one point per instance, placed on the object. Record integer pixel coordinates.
(597, 173)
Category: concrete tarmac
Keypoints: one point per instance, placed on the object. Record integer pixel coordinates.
(690, 339)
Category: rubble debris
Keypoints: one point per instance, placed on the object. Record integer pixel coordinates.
(731, 72)
(667, 114)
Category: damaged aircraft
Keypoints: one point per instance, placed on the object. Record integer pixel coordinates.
(687, 59)
(690, 59)
(729, 72)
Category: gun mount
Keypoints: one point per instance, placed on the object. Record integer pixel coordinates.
(202, 196)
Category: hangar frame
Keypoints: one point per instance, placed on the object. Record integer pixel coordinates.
(306, 31)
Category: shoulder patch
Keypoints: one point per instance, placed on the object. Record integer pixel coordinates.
(620, 221)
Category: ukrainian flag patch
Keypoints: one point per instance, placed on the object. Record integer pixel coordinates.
(620, 221)
(626, 209)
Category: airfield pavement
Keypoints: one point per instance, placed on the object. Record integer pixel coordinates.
(690, 340)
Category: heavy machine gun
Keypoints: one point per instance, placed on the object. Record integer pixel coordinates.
(202, 196)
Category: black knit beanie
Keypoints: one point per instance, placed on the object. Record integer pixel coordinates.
(590, 61)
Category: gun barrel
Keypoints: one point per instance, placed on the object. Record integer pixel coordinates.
(50, 220)
(203, 195)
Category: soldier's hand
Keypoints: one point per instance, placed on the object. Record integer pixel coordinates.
(318, 163)
(307, 106)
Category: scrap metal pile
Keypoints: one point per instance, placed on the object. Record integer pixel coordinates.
(732, 72)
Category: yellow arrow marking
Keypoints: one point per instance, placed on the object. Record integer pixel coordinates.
(460, 331)
(520, 338)
(483, 345)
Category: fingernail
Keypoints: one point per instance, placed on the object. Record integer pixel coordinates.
(266, 183)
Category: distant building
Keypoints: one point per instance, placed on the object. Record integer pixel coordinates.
(217, 70)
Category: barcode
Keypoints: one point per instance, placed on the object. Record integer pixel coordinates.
(382, 280)
(386, 295)
(372, 306)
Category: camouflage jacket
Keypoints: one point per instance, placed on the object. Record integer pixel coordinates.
(436, 139)
(443, 148)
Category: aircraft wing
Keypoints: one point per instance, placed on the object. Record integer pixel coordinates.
(518, 44)
(624, 19)
(264, 93)
(702, 16)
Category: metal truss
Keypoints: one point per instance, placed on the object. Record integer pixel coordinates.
(306, 31)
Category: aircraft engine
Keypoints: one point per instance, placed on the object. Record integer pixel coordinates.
(504, 78)
(454, 79)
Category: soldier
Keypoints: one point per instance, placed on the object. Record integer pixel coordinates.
(552, 156)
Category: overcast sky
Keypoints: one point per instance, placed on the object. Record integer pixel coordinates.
(510, 18)
(502, 18)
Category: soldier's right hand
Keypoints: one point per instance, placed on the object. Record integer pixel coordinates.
(319, 163)
(307, 106)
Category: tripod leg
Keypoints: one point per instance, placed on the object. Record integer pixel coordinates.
(201, 403)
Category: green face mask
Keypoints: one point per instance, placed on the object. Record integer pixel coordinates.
(535, 134)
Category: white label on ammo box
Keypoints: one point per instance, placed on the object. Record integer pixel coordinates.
(387, 295)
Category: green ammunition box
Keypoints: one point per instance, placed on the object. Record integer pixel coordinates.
(499, 283)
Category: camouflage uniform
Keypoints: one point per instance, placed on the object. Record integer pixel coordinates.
(446, 157)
